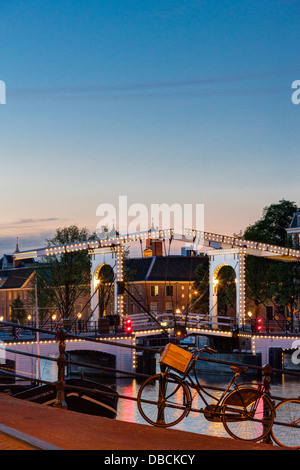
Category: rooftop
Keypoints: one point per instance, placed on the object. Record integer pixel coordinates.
(163, 268)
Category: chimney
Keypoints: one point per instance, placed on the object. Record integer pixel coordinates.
(157, 248)
(16, 262)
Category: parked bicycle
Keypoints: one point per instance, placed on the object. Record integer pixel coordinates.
(164, 399)
(286, 427)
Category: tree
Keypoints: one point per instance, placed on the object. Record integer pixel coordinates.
(105, 288)
(45, 297)
(260, 278)
(226, 290)
(286, 289)
(67, 275)
(200, 296)
(271, 227)
(269, 280)
(18, 312)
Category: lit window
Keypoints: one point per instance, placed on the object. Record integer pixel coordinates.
(154, 291)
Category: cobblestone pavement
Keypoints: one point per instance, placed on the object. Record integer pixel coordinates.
(6, 443)
(75, 431)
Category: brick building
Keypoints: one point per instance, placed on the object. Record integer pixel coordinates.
(15, 282)
(162, 284)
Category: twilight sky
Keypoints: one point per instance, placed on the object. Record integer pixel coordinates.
(183, 102)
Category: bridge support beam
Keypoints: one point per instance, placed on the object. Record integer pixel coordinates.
(113, 257)
(236, 259)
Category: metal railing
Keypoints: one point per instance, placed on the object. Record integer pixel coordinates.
(62, 335)
(266, 371)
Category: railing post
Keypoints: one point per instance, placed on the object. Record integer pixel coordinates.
(267, 371)
(61, 363)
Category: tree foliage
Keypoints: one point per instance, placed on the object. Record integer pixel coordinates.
(271, 227)
(66, 275)
(270, 281)
(200, 295)
(18, 311)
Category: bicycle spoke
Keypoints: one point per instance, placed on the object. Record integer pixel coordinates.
(286, 428)
(166, 400)
(252, 421)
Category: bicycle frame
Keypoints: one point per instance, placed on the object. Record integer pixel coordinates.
(175, 390)
(212, 411)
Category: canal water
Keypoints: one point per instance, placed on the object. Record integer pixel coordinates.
(195, 422)
(287, 387)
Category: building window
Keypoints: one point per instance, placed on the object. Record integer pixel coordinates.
(154, 291)
(154, 307)
(169, 291)
(140, 290)
(169, 307)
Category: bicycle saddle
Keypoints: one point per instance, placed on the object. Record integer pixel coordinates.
(239, 370)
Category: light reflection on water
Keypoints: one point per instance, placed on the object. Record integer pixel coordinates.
(288, 387)
(196, 422)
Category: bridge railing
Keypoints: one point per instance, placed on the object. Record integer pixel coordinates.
(142, 321)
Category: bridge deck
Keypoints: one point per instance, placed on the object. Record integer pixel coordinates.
(73, 431)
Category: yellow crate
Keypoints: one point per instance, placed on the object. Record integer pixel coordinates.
(176, 357)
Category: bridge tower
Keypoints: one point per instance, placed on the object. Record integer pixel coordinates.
(235, 258)
(107, 256)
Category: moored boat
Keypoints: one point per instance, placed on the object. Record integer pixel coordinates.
(82, 396)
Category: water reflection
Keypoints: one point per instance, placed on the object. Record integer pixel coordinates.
(194, 422)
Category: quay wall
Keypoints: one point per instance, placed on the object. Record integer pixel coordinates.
(125, 357)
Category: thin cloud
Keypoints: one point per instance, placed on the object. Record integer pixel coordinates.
(107, 90)
(30, 222)
(35, 221)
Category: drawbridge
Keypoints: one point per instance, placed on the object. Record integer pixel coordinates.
(223, 250)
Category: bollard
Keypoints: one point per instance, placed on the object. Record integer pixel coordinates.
(267, 371)
(61, 362)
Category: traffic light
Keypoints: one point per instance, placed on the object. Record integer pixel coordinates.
(128, 325)
(259, 325)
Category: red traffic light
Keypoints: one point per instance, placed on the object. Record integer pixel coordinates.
(259, 324)
(128, 325)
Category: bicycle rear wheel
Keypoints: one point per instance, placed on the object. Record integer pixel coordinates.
(286, 427)
(247, 414)
(163, 400)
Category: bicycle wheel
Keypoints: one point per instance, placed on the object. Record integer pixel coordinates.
(163, 400)
(247, 414)
(286, 427)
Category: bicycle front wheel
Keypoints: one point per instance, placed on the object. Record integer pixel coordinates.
(286, 427)
(163, 400)
(247, 414)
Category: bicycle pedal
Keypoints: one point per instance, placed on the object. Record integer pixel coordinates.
(213, 413)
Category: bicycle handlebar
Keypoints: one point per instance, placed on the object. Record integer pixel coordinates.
(207, 349)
